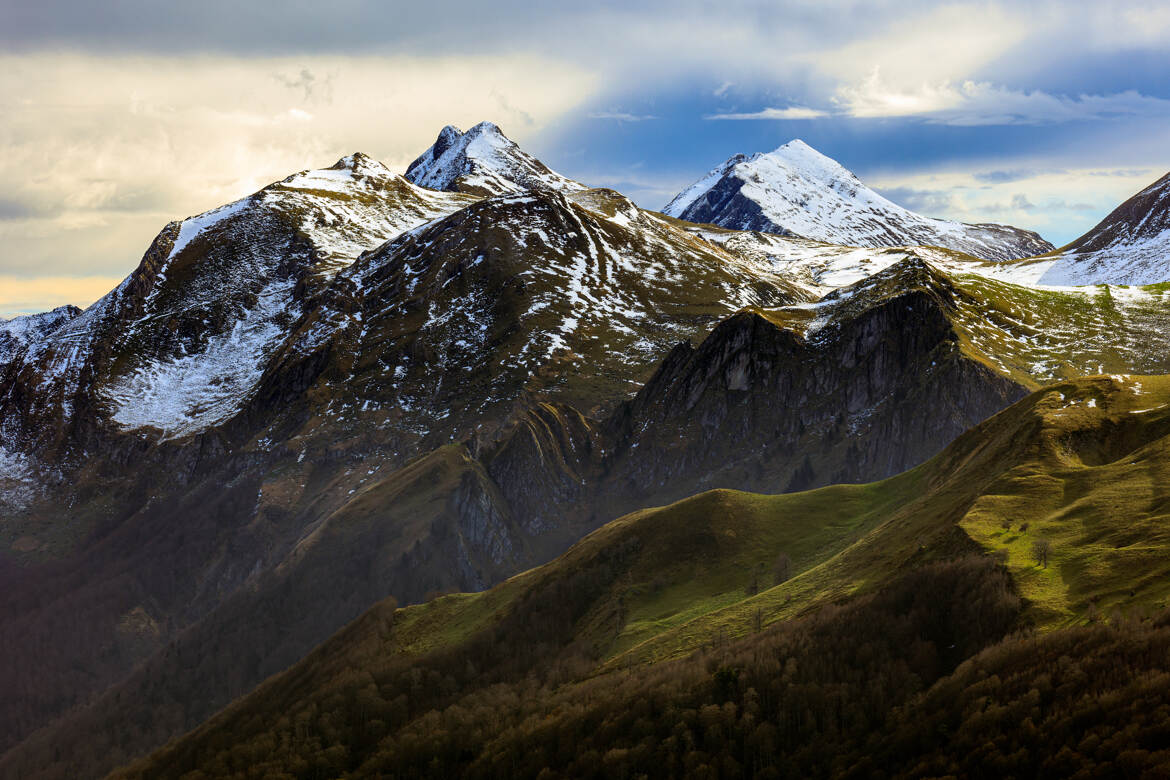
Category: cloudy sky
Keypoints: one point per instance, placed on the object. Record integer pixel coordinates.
(117, 116)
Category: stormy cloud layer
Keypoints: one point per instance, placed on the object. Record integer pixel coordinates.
(120, 116)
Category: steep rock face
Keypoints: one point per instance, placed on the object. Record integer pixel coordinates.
(483, 161)
(133, 414)
(547, 465)
(756, 406)
(182, 342)
(1130, 246)
(796, 190)
(856, 388)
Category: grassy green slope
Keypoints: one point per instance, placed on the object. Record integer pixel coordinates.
(1085, 464)
(1036, 335)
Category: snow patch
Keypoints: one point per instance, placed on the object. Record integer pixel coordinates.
(190, 393)
(17, 480)
(193, 226)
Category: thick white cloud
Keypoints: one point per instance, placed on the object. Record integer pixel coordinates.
(980, 103)
(97, 152)
(791, 112)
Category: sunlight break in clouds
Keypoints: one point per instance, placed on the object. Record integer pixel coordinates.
(19, 295)
(975, 103)
(99, 152)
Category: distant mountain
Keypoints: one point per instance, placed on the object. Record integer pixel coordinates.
(1130, 246)
(482, 161)
(796, 190)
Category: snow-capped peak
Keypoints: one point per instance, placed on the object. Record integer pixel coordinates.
(360, 163)
(482, 161)
(799, 156)
(796, 190)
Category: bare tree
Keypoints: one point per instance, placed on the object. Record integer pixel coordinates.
(782, 568)
(1041, 548)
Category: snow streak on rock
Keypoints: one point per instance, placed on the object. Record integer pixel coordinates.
(190, 393)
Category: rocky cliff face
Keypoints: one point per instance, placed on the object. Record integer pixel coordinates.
(796, 190)
(760, 405)
(771, 401)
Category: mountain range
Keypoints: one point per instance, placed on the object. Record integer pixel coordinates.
(354, 390)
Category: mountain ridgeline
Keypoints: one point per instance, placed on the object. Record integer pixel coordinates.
(354, 390)
(1129, 246)
(548, 671)
(797, 191)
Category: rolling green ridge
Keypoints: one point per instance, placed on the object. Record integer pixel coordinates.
(1085, 464)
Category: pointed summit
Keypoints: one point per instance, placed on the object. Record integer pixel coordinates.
(796, 190)
(482, 161)
(360, 163)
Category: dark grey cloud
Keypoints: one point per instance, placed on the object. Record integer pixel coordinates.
(1016, 174)
(599, 29)
(13, 208)
(1020, 201)
(923, 201)
(249, 27)
(274, 27)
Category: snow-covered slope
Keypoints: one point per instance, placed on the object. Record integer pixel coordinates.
(482, 161)
(179, 345)
(1130, 246)
(19, 332)
(796, 190)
